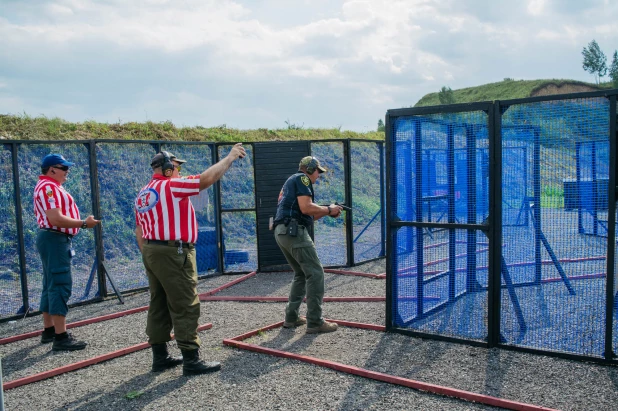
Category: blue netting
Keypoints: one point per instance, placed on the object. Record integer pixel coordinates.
(587, 193)
(239, 227)
(78, 185)
(123, 169)
(440, 174)
(329, 233)
(516, 161)
(366, 200)
(11, 301)
(560, 271)
(555, 173)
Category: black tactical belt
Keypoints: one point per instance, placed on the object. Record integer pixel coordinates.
(56, 232)
(170, 243)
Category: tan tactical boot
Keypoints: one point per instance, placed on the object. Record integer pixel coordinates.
(326, 327)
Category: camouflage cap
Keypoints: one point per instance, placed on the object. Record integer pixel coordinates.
(311, 164)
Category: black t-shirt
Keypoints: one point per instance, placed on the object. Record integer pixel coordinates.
(297, 185)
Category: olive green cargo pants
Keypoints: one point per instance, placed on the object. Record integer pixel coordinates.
(174, 303)
(302, 256)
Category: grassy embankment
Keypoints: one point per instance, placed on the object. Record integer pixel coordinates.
(25, 127)
(509, 89)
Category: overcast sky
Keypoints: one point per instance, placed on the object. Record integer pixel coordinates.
(257, 64)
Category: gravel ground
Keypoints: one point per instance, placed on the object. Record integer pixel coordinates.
(252, 381)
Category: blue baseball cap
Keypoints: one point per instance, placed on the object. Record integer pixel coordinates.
(53, 159)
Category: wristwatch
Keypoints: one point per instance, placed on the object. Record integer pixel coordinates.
(84, 224)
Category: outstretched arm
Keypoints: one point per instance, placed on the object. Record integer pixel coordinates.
(308, 207)
(215, 172)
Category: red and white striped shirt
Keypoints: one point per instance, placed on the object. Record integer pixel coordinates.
(49, 194)
(163, 209)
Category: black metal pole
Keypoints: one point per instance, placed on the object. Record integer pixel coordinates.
(471, 153)
(418, 196)
(257, 219)
(536, 207)
(382, 199)
(595, 189)
(495, 225)
(578, 173)
(450, 172)
(391, 201)
(611, 233)
(349, 229)
(96, 210)
(218, 212)
(20, 232)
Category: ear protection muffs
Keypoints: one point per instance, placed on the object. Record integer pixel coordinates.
(167, 162)
(312, 166)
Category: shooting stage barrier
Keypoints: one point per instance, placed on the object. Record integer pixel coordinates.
(504, 211)
(106, 179)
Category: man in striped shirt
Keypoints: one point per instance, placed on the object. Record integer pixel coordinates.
(58, 218)
(166, 231)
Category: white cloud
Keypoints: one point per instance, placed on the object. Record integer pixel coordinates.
(255, 64)
(536, 7)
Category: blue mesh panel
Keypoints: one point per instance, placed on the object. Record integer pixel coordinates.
(11, 301)
(198, 159)
(440, 174)
(329, 233)
(615, 307)
(78, 185)
(516, 160)
(237, 184)
(123, 169)
(587, 193)
(239, 228)
(367, 227)
(240, 241)
(453, 302)
(560, 271)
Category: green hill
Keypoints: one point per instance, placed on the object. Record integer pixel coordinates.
(511, 89)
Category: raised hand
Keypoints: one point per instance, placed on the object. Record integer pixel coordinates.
(238, 151)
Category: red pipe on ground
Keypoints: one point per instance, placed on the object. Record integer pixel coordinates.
(418, 385)
(82, 364)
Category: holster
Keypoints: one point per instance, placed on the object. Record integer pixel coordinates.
(292, 228)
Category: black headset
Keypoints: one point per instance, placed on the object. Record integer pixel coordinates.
(167, 162)
(312, 166)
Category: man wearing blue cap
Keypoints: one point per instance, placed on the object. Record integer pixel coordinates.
(58, 218)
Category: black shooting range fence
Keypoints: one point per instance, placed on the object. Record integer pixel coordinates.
(106, 179)
(498, 220)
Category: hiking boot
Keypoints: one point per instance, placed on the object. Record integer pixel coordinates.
(192, 365)
(47, 336)
(68, 344)
(326, 327)
(301, 321)
(161, 359)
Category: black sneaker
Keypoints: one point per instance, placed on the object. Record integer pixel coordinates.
(68, 344)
